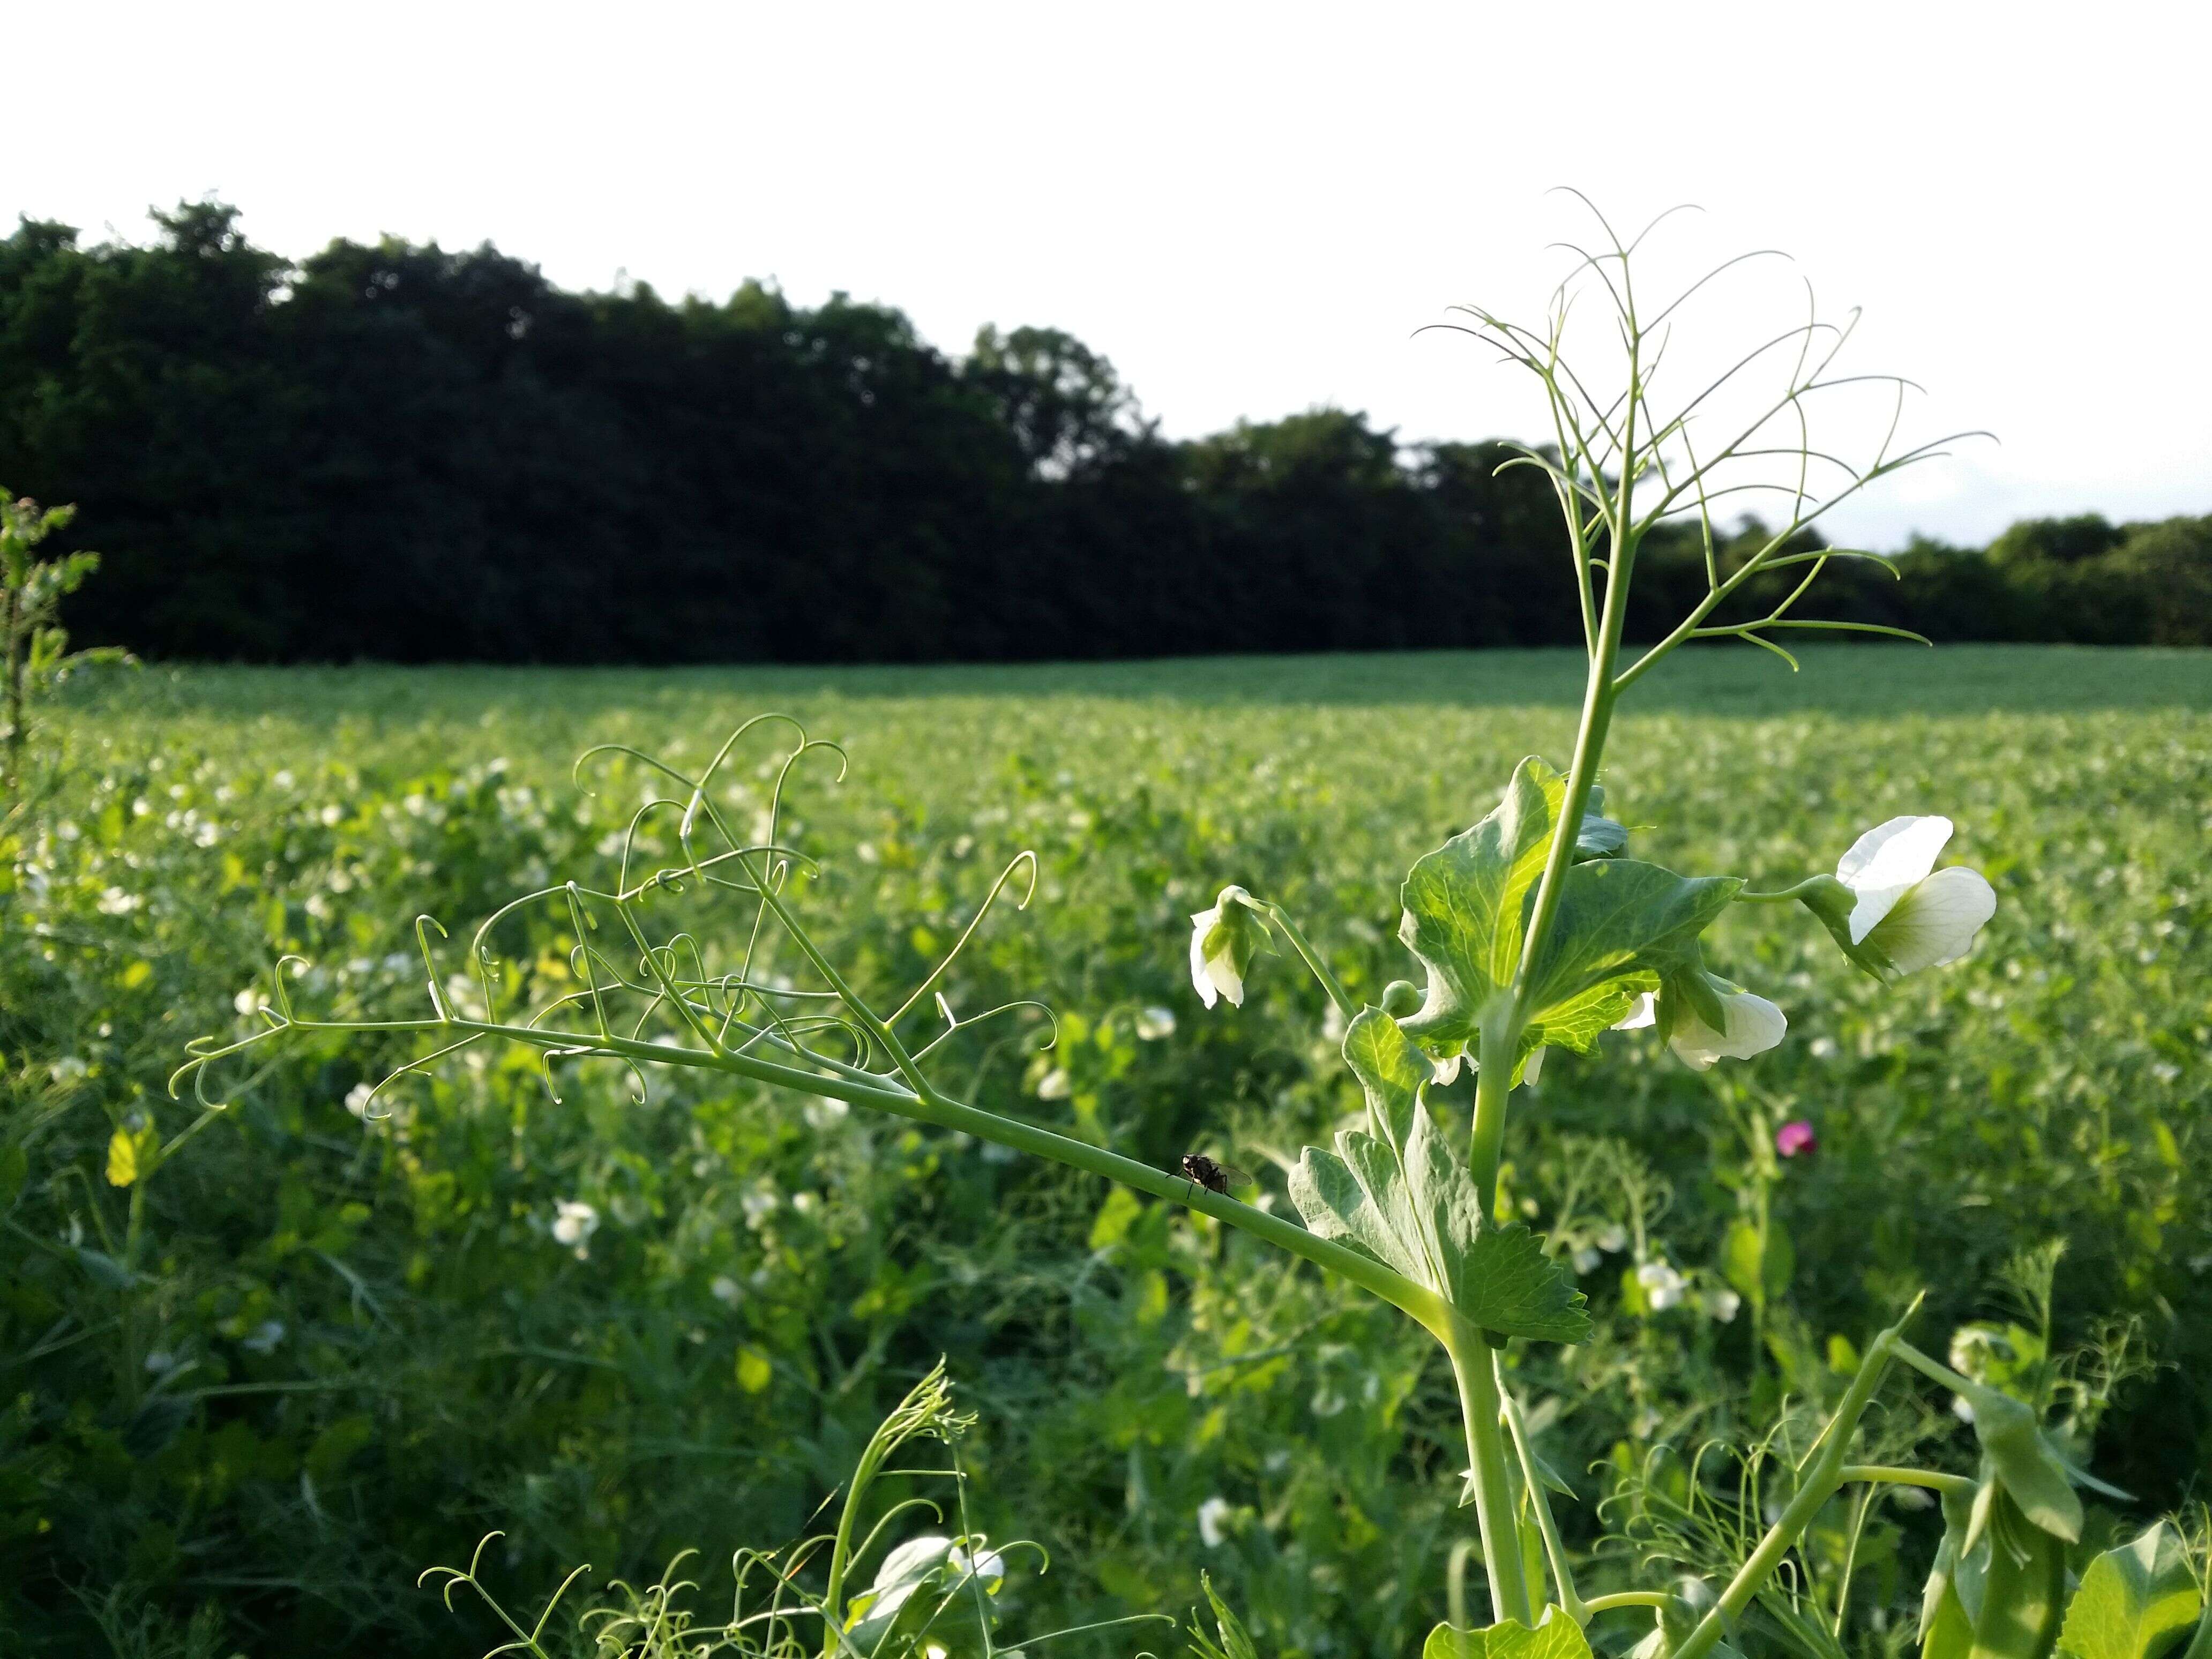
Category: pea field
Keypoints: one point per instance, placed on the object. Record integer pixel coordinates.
(261, 1366)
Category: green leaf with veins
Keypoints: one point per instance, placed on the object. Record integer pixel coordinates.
(1413, 1206)
(2134, 1602)
(1553, 1637)
(1465, 905)
(1622, 927)
(1389, 1068)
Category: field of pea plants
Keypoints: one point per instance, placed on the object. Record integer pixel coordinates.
(260, 1367)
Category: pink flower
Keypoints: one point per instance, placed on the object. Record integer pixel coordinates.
(1794, 1137)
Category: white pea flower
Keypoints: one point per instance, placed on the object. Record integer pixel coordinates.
(1533, 1067)
(1643, 1012)
(1906, 915)
(1662, 1286)
(1962, 1408)
(1724, 1305)
(1223, 942)
(1055, 1085)
(249, 1001)
(356, 1100)
(266, 1335)
(1586, 1260)
(1753, 1025)
(1612, 1239)
(1212, 1522)
(1154, 1023)
(573, 1224)
(726, 1291)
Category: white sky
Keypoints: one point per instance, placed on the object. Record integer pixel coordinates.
(1249, 207)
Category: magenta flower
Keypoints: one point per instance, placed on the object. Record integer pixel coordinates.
(1794, 1137)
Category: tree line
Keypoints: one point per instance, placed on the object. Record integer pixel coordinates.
(392, 452)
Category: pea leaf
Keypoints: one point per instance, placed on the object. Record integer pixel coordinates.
(1553, 1637)
(1940, 1602)
(1390, 1069)
(1464, 904)
(1621, 926)
(2030, 1471)
(2134, 1602)
(1236, 1642)
(1415, 1209)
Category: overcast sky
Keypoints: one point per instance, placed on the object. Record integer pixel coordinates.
(1249, 208)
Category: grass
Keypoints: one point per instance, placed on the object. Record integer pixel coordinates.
(765, 1281)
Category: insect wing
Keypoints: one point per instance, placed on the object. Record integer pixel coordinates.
(1233, 1176)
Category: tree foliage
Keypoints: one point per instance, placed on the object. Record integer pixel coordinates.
(392, 451)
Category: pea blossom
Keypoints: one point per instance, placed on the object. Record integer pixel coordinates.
(1751, 1025)
(1794, 1137)
(1223, 942)
(573, 1224)
(1906, 915)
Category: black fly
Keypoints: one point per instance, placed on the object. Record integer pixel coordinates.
(1214, 1177)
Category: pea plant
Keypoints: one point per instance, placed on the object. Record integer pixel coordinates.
(1533, 929)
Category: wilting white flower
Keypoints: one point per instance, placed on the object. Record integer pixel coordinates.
(1155, 1023)
(1212, 1522)
(1904, 914)
(1662, 1286)
(1223, 942)
(1724, 1305)
(266, 1335)
(573, 1224)
(1752, 1026)
(1055, 1085)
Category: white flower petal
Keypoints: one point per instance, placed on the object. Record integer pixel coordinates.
(1533, 1067)
(1885, 863)
(1645, 1012)
(1754, 1025)
(1936, 922)
(1201, 924)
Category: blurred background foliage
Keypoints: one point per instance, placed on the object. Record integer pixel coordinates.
(393, 452)
(258, 1368)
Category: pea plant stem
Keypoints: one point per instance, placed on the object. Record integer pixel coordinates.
(1496, 1055)
(1471, 1368)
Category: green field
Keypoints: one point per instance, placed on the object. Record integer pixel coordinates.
(304, 1357)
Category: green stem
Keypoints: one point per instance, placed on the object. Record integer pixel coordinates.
(1823, 1474)
(1891, 1475)
(1617, 1600)
(1308, 955)
(1493, 1492)
(1555, 1550)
